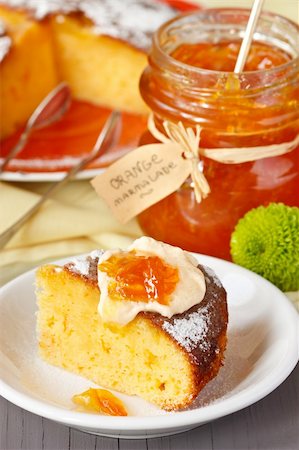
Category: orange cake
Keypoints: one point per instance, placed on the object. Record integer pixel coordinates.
(27, 70)
(123, 336)
(98, 47)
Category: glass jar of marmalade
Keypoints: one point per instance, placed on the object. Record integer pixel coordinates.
(190, 79)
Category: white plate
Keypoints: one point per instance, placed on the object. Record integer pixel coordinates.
(262, 351)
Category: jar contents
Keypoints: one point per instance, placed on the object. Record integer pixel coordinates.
(231, 116)
(100, 401)
(222, 56)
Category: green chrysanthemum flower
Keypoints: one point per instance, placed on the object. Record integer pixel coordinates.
(266, 241)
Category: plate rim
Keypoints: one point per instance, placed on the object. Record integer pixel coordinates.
(32, 177)
(172, 420)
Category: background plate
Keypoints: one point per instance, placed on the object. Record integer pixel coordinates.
(53, 150)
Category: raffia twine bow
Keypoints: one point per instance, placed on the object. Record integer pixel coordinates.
(189, 140)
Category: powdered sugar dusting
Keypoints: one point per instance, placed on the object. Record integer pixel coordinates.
(96, 254)
(42, 8)
(133, 21)
(130, 20)
(190, 332)
(5, 42)
(210, 272)
(81, 264)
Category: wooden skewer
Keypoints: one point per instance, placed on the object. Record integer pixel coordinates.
(249, 32)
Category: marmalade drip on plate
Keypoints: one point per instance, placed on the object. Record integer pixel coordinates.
(140, 278)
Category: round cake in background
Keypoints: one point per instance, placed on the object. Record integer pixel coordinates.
(98, 47)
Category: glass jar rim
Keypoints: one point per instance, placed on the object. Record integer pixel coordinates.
(201, 71)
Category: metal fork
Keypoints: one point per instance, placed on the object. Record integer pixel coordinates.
(50, 110)
(107, 137)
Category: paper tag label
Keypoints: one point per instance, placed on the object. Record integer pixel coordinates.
(141, 178)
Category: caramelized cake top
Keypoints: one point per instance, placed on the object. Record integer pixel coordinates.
(133, 21)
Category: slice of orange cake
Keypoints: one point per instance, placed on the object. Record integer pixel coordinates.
(27, 68)
(148, 321)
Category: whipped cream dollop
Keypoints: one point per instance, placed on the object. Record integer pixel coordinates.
(189, 290)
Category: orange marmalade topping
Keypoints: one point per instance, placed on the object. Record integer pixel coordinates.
(140, 278)
(100, 401)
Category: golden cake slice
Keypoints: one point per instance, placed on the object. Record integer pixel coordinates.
(27, 70)
(99, 69)
(166, 360)
(98, 47)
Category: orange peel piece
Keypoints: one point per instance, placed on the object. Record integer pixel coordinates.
(100, 401)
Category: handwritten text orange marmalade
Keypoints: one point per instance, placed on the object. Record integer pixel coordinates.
(140, 278)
